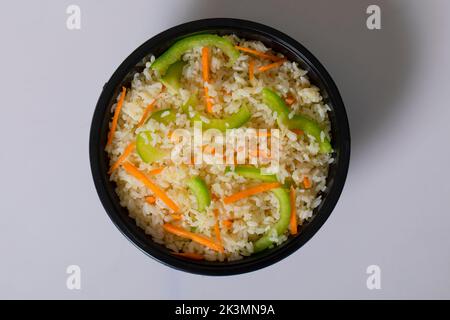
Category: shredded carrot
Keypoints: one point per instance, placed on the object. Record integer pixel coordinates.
(176, 217)
(205, 73)
(146, 113)
(251, 69)
(205, 64)
(116, 116)
(169, 134)
(258, 53)
(217, 228)
(207, 242)
(263, 187)
(214, 197)
(290, 100)
(263, 133)
(306, 182)
(192, 160)
(293, 220)
(189, 255)
(207, 100)
(271, 66)
(155, 171)
(208, 149)
(257, 153)
(150, 199)
(122, 158)
(297, 131)
(158, 192)
(227, 223)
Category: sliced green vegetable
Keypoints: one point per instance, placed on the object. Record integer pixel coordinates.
(200, 190)
(253, 173)
(309, 126)
(282, 194)
(312, 128)
(236, 120)
(146, 151)
(165, 116)
(174, 53)
(172, 78)
(192, 102)
(276, 104)
(281, 226)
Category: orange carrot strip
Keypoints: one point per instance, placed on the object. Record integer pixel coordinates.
(227, 223)
(208, 149)
(271, 66)
(207, 242)
(156, 171)
(205, 64)
(258, 53)
(214, 197)
(176, 217)
(116, 116)
(307, 182)
(207, 100)
(251, 69)
(297, 131)
(189, 255)
(205, 73)
(263, 187)
(263, 134)
(256, 153)
(293, 220)
(146, 113)
(150, 199)
(290, 101)
(131, 169)
(122, 158)
(217, 228)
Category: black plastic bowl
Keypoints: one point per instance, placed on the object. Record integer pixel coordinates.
(252, 31)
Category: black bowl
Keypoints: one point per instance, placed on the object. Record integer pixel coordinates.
(249, 30)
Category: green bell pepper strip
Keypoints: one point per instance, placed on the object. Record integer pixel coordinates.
(146, 151)
(281, 225)
(169, 117)
(309, 126)
(172, 78)
(252, 173)
(282, 195)
(174, 53)
(200, 190)
(236, 120)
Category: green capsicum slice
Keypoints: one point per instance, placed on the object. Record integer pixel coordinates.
(312, 128)
(172, 78)
(174, 53)
(146, 150)
(253, 173)
(200, 190)
(282, 195)
(281, 225)
(236, 120)
(309, 126)
(165, 116)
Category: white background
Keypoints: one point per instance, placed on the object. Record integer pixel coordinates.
(394, 211)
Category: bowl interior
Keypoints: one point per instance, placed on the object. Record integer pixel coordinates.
(155, 46)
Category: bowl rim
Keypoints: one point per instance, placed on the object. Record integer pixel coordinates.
(269, 257)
